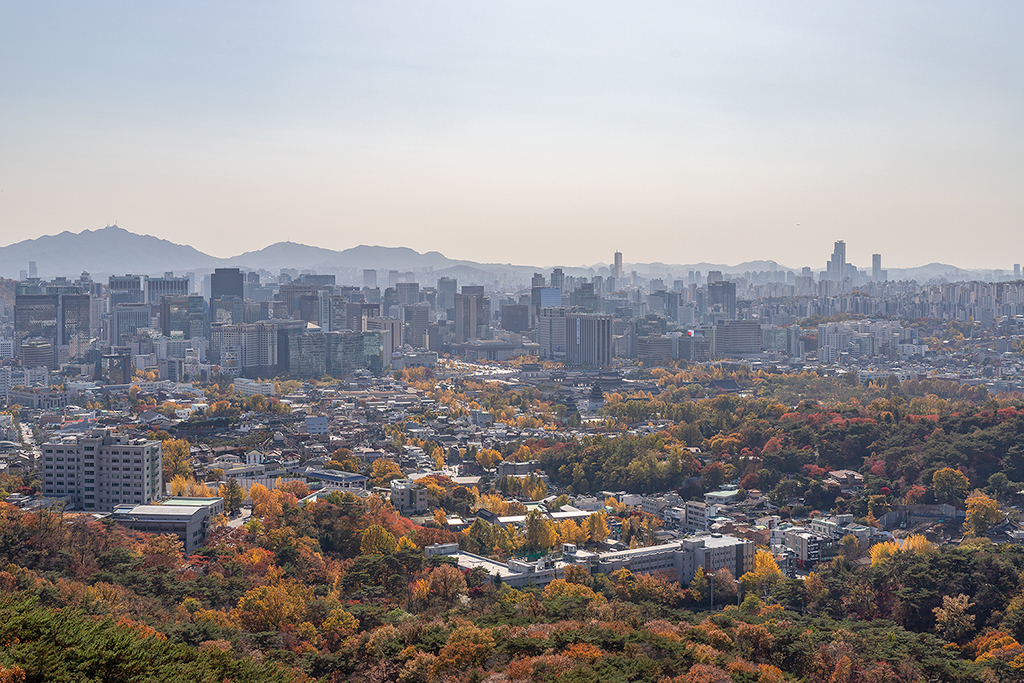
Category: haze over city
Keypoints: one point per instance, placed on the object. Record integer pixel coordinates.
(531, 134)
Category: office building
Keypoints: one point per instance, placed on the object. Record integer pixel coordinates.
(416, 318)
(588, 340)
(38, 353)
(680, 559)
(357, 314)
(125, 289)
(390, 330)
(722, 298)
(447, 288)
(558, 278)
(876, 267)
(103, 469)
(515, 318)
(249, 349)
(227, 282)
(168, 285)
(184, 315)
(737, 338)
(408, 293)
(551, 333)
(550, 297)
(249, 387)
(35, 315)
(75, 318)
(617, 268)
(127, 320)
(350, 352)
(188, 518)
(472, 314)
(369, 278)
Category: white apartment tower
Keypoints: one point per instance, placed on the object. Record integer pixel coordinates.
(102, 469)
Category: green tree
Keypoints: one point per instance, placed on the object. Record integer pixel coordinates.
(233, 495)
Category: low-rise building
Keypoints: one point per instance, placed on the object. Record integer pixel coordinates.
(188, 518)
(317, 425)
(809, 547)
(408, 497)
(249, 387)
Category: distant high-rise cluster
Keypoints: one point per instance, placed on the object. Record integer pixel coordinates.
(302, 323)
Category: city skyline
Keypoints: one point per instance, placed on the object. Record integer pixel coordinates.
(734, 131)
(869, 265)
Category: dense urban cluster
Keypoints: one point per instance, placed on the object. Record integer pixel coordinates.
(605, 476)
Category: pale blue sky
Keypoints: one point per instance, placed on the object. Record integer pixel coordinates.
(525, 132)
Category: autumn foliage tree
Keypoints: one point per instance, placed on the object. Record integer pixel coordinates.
(176, 459)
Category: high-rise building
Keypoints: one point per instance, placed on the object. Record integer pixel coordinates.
(515, 317)
(550, 297)
(837, 265)
(390, 330)
(617, 269)
(416, 317)
(125, 289)
(722, 298)
(102, 469)
(408, 293)
(558, 278)
(37, 353)
(36, 317)
(248, 349)
(185, 315)
(168, 285)
(227, 282)
(127, 320)
(75, 316)
(551, 333)
(737, 338)
(876, 267)
(472, 314)
(369, 278)
(1016, 271)
(357, 314)
(349, 352)
(588, 340)
(447, 288)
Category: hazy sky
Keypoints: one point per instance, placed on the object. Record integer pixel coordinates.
(523, 132)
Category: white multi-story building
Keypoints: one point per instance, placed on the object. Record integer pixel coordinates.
(249, 387)
(102, 469)
(696, 517)
(317, 425)
(681, 559)
(408, 497)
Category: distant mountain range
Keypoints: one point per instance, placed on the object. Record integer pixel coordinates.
(115, 250)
